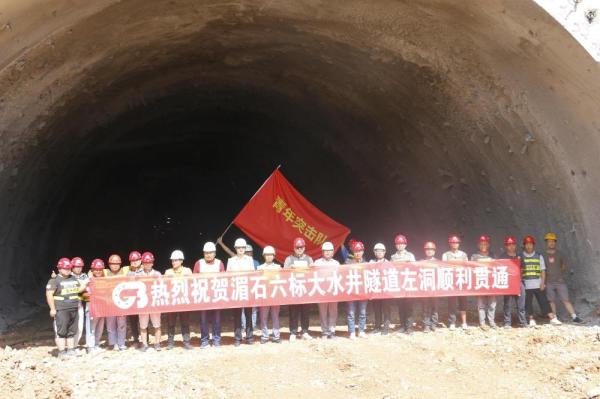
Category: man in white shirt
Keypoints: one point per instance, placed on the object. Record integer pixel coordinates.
(328, 311)
(405, 305)
(454, 303)
(241, 263)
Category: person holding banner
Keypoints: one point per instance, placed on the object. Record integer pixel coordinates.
(358, 250)
(178, 270)
(135, 262)
(97, 323)
(486, 305)
(265, 311)
(62, 295)
(147, 270)
(327, 310)
(430, 305)
(456, 303)
(533, 273)
(83, 310)
(210, 264)
(405, 305)
(241, 263)
(381, 307)
(116, 325)
(299, 260)
(510, 252)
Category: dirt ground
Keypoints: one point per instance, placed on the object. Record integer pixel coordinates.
(543, 362)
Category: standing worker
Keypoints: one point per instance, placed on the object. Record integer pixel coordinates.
(273, 310)
(381, 307)
(209, 264)
(147, 270)
(510, 252)
(533, 273)
(62, 295)
(456, 303)
(135, 263)
(116, 325)
(177, 270)
(96, 323)
(555, 278)
(299, 260)
(241, 263)
(405, 305)
(328, 310)
(486, 305)
(430, 305)
(358, 250)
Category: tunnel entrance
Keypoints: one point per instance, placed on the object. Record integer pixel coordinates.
(150, 126)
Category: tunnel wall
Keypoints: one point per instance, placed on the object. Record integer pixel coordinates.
(452, 116)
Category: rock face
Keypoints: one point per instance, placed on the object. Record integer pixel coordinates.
(134, 125)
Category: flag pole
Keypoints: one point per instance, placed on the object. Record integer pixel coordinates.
(260, 188)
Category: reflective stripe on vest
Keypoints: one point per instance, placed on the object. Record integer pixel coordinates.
(67, 298)
(531, 267)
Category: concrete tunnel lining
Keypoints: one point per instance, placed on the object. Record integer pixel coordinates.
(430, 117)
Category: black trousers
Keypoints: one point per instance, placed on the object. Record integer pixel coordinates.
(237, 324)
(184, 321)
(134, 326)
(540, 296)
(66, 322)
(383, 313)
(301, 312)
(405, 311)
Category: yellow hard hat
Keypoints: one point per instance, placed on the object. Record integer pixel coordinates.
(550, 236)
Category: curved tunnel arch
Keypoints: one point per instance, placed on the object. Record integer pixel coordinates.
(429, 116)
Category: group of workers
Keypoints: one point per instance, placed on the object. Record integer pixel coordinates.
(67, 294)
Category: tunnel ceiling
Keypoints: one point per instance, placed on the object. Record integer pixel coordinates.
(425, 116)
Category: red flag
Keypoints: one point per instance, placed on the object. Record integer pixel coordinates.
(278, 213)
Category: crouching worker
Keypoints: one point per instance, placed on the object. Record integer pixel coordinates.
(265, 311)
(62, 295)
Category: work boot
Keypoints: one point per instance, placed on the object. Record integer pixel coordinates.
(143, 348)
(187, 345)
(170, 345)
(157, 346)
(71, 353)
(576, 319)
(61, 354)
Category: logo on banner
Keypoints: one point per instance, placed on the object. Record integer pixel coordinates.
(124, 301)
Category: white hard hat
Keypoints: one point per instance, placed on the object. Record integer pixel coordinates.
(379, 246)
(177, 255)
(209, 247)
(269, 250)
(327, 246)
(239, 243)
(249, 248)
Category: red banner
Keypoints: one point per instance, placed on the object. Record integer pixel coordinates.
(278, 213)
(117, 296)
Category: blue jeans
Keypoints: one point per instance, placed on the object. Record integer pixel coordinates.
(213, 316)
(362, 315)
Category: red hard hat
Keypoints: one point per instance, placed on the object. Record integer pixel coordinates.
(400, 239)
(114, 259)
(483, 238)
(454, 239)
(97, 264)
(299, 242)
(508, 240)
(429, 245)
(358, 246)
(134, 255)
(528, 240)
(77, 262)
(147, 257)
(64, 263)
